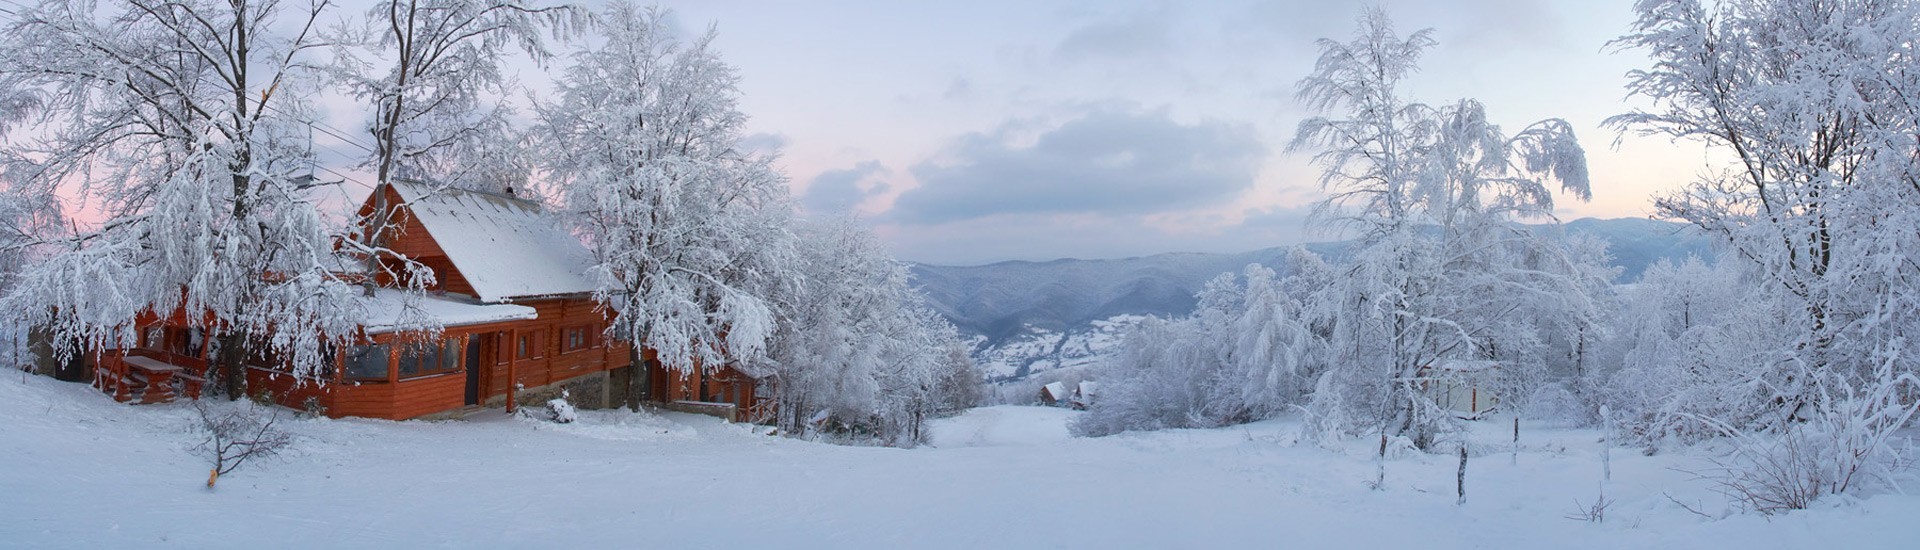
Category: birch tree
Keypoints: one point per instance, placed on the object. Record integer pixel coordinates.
(688, 228)
(1432, 192)
(177, 120)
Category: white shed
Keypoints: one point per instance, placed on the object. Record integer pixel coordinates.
(1462, 386)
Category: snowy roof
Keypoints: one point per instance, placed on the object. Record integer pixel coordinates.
(1055, 390)
(389, 311)
(505, 247)
(1088, 388)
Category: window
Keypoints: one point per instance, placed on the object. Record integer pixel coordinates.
(153, 338)
(533, 345)
(367, 362)
(575, 339)
(429, 358)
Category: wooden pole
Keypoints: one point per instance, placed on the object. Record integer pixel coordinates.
(1460, 481)
(513, 360)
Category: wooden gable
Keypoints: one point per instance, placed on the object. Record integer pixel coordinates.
(405, 235)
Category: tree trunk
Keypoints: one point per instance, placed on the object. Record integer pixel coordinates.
(228, 353)
(637, 379)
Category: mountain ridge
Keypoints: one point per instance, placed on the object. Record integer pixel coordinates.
(1000, 300)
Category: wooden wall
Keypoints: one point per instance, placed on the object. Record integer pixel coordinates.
(726, 385)
(401, 399)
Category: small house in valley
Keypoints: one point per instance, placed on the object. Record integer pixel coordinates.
(518, 325)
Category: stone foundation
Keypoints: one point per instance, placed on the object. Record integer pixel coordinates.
(724, 411)
(587, 392)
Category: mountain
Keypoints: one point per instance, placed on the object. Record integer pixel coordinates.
(1028, 316)
(1001, 299)
(1637, 243)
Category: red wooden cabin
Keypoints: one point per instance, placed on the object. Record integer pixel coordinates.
(519, 324)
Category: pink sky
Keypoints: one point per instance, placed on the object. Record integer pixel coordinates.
(985, 131)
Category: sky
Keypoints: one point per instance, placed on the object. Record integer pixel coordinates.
(987, 130)
(972, 132)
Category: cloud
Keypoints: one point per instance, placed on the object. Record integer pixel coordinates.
(1138, 34)
(764, 142)
(1105, 162)
(960, 88)
(836, 191)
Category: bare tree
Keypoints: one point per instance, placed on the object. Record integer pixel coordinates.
(241, 433)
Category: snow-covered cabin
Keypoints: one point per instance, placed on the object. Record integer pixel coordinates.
(1462, 386)
(1055, 393)
(1083, 394)
(511, 293)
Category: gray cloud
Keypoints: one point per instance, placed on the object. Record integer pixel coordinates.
(839, 190)
(1106, 162)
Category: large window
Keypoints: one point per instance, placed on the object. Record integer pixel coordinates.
(429, 358)
(367, 362)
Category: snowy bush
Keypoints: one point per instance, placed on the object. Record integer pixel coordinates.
(1848, 445)
(1556, 404)
(560, 409)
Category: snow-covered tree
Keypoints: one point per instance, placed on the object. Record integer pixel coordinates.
(689, 229)
(1691, 338)
(1815, 103)
(858, 352)
(25, 219)
(1245, 354)
(1442, 271)
(177, 121)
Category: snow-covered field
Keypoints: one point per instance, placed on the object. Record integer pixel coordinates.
(77, 470)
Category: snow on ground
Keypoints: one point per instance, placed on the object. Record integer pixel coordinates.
(1036, 350)
(78, 470)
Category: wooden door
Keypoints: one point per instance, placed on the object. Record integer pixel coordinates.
(482, 351)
